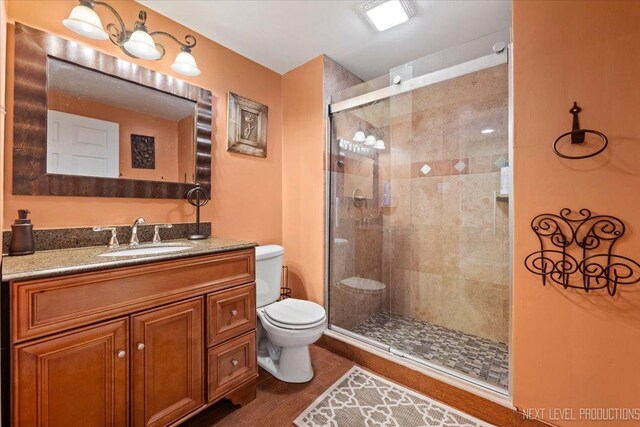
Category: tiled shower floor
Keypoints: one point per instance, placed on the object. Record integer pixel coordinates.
(477, 357)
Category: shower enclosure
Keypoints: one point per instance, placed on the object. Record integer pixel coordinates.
(418, 229)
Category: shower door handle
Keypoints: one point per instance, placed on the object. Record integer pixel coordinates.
(495, 212)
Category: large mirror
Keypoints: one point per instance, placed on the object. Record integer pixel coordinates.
(90, 124)
(100, 125)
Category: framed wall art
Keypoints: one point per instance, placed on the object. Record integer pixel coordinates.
(143, 152)
(246, 126)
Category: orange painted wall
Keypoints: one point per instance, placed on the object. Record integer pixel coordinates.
(164, 131)
(573, 350)
(303, 179)
(247, 191)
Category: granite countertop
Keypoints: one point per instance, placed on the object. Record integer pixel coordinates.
(66, 261)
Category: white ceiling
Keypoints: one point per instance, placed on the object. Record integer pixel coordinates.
(283, 34)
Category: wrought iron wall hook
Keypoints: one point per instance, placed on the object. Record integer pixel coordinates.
(576, 251)
(578, 136)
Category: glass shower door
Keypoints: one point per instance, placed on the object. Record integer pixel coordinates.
(358, 286)
(419, 221)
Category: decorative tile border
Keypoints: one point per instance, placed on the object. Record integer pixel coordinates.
(65, 238)
(460, 166)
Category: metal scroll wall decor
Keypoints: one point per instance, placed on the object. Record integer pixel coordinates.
(143, 152)
(578, 137)
(576, 251)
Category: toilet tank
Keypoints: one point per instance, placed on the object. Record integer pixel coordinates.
(268, 273)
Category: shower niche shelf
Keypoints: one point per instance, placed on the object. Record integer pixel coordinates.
(501, 197)
(576, 251)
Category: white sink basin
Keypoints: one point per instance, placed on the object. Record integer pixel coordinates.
(145, 250)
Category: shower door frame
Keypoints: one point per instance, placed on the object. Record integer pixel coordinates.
(455, 378)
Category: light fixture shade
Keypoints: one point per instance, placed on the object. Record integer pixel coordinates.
(141, 45)
(370, 141)
(359, 137)
(379, 145)
(185, 64)
(86, 22)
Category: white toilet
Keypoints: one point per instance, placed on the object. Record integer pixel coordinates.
(285, 328)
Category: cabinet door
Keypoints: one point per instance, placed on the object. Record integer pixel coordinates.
(79, 378)
(167, 347)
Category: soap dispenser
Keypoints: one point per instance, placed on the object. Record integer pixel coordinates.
(22, 235)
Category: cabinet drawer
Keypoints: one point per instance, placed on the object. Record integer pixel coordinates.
(231, 364)
(54, 304)
(230, 313)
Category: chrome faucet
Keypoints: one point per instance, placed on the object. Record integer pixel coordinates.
(133, 241)
(156, 232)
(113, 241)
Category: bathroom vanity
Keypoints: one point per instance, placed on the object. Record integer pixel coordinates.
(146, 340)
(144, 335)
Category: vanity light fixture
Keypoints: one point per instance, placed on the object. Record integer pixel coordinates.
(138, 43)
(359, 136)
(379, 145)
(86, 22)
(385, 14)
(370, 141)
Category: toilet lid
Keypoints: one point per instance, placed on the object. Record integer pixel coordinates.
(295, 312)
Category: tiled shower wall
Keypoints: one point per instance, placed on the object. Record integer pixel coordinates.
(446, 262)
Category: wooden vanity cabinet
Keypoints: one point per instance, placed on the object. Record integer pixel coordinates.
(151, 360)
(166, 363)
(72, 379)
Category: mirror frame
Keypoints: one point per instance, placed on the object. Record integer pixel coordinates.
(32, 50)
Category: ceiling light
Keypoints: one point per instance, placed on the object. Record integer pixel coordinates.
(359, 136)
(384, 14)
(86, 22)
(487, 131)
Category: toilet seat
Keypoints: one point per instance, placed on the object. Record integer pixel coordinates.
(295, 314)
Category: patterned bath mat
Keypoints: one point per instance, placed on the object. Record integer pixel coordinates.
(360, 399)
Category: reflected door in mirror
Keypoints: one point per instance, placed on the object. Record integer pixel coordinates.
(78, 145)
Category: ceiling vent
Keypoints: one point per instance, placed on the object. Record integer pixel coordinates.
(385, 14)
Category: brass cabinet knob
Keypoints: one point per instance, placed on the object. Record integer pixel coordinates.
(140, 346)
(234, 312)
(234, 362)
(121, 354)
